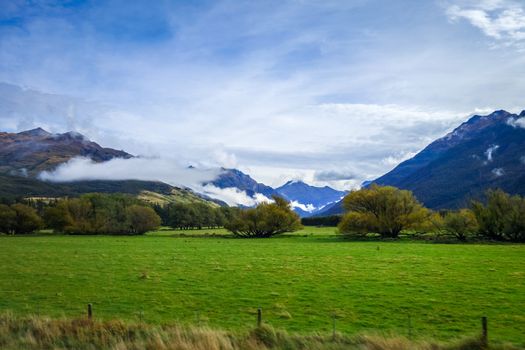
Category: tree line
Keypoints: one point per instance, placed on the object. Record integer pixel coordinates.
(88, 214)
(382, 210)
(388, 211)
(186, 216)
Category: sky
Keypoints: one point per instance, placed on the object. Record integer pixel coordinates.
(328, 91)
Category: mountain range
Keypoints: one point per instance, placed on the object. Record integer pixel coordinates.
(25, 155)
(306, 200)
(33, 151)
(483, 152)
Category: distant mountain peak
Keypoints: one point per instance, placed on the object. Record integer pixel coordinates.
(295, 183)
(37, 150)
(522, 114)
(452, 170)
(37, 132)
(74, 135)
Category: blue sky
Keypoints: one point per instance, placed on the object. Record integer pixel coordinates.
(331, 92)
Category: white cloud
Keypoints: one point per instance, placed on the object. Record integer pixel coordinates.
(233, 196)
(151, 169)
(489, 153)
(305, 207)
(280, 87)
(517, 122)
(335, 175)
(146, 169)
(394, 160)
(501, 20)
(498, 172)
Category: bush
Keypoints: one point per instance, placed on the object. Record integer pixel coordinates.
(7, 219)
(142, 219)
(265, 220)
(384, 210)
(502, 217)
(27, 219)
(460, 224)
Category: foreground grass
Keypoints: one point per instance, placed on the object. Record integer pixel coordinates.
(45, 333)
(300, 281)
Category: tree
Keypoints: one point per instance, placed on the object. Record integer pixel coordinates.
(27, 219)
(101, 214)
(58, 217)
(7, 219)
(265, 220)
(384, 210)
(502, 217)
(141, 219)
(460, 224)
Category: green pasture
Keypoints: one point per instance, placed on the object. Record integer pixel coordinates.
(301, 282)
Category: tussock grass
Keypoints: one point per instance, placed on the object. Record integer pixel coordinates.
(35, 332)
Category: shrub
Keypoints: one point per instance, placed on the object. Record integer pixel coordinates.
(27, 219)
(142, 219)
(384, 210)
(7, 219)
(460, 224)
(265, 220)
(502, 217)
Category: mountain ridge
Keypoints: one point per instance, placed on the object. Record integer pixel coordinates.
(481, 153)
(33, 151)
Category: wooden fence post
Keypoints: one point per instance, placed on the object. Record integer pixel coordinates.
(484, 331)
(90, 312)
(259, 317)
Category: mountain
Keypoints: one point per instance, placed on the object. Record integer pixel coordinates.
(24, 155)
(331, 209)
(484, 152)
(33, 151)
(308, 200)
(305, 199)
(237, 179)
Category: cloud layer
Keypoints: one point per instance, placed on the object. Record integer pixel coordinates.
(280, 89)
(151, 169)
(500, 20)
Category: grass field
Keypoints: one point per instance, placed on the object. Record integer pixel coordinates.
(300, 281)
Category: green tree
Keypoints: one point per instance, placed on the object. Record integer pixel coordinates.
(179, 216)
(27, 219)
(7, 219)
(460, 224)
(265, 220)
(58, 217)
(142, 219)
(502, 217)
(384, 210)
(101, 214)
(219, 218)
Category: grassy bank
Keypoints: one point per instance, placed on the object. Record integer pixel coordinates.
(45, 333)
(301, 282)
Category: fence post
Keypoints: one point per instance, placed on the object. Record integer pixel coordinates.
(90, 312)
(484, 331)
(259, 317)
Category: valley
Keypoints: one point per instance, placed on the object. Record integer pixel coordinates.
(299, 280)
